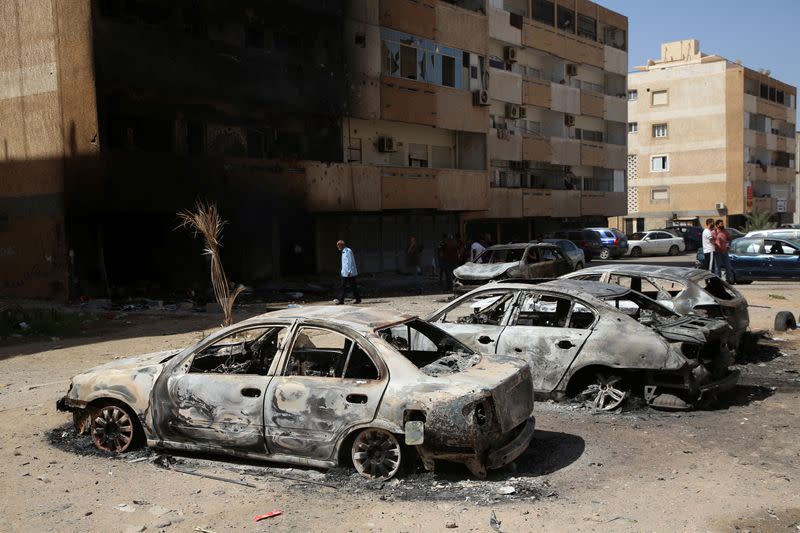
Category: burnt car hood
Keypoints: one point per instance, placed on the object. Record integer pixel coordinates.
(482, 271)
(136, 361)
(692, 329)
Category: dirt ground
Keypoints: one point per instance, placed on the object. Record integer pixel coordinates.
(733, 468)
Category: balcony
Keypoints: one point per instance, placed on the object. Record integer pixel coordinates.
(536, 92)
(505, 86)
(603, 203)
(769, 173)
(461, 28)
(565, 99)
(504, 145)
(593, 154)
(537, 149)
(340, 187)
(615, 108)
(417, 17)
(615, 60)
(592, 104)
(564, 45)
(500, 26)
(556, 203)
(565, 151)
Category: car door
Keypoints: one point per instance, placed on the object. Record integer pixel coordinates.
(327, 382)
(660, 242)
(214, 398)
(784, 262)
(745, 257)
(477, 318)
(547, 332)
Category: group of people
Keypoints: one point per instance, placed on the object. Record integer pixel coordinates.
(716, 245)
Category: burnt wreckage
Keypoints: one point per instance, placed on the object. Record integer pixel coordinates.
(600, 340)
(316, 386)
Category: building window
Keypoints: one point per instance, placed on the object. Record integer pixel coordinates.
(566, 19)
(417, 155)
(408, 62)
(659, 130)
(587, 27)
(633, 94)
(660, 98)
(659, 163)
(544, 12)
(633, 127)
(448, 71)
(659, 195)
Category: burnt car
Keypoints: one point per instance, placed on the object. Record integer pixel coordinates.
(684, 290)
(316, 386)
(517, 261)
(596, 340)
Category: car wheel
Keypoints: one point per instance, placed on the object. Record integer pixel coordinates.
(376, 454)
(578, 265)
(604, 254)
(606, 392)
(673, 250)
(785, 320)
(636, 252)
(114, 428)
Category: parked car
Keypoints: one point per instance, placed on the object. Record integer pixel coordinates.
(692, 235)
(522, 261)
(572, 252)
(595, 339)
(614, 243)
(765, 258)
(655, 243)
(789, 226)
(781, 233)
(683, 290)
(587, 240)
(315, 386)
(733, 233)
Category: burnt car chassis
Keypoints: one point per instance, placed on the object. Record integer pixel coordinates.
(316, 386)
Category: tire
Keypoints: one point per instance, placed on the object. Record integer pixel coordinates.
(376, 454)
(674, 250)
(784, 320)
(114, 427)
(604, 254)
(578, 265)
(636, 252)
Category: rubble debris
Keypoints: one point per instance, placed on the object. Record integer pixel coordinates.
(495, 523)
(450, 525)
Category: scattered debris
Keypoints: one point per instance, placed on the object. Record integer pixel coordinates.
(450, 525)
(270, 514)
(216, 478)
(495, 523)
(506, 490)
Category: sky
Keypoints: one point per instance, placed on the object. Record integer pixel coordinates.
(763, 34)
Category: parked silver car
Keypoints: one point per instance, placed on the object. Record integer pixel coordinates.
(601, 340)
(684, 290)
(314, 386)
(654, 243)
(573, 253)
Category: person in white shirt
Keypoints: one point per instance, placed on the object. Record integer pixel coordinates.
(708, 245)
(475, 250)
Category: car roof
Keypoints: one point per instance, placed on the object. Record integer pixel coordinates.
(360, 319)
(576, 287)
(666, 272)
(521, 245)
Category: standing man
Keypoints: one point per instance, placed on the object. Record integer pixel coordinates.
(721, 247)
(349, 273)
(708, 244)
(476, 250)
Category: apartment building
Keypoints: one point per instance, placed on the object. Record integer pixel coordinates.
(707, 137)
(557, 139)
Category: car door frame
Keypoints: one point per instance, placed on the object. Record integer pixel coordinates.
(332, 406)
(174, 398)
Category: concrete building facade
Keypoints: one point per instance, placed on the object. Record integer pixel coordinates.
(707, 137)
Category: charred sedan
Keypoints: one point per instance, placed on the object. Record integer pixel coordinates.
(316, 386)
(599, 340)
(515, 261)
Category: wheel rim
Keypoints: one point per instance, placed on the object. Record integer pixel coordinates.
(604, 254)
(376, 454)
(636, 252)
(112, 429)
(606, 393)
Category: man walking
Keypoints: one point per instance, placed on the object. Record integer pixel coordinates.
(349, 273)
(708, 244)
(722, 245)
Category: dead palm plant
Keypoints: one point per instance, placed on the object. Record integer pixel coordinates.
(206, 221)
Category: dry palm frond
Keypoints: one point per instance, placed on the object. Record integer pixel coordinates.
(206, 221)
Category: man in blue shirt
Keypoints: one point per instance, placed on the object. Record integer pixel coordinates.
(349, 273)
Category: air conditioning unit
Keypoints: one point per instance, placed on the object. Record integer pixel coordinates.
(387, 144)
(719, 206)
(522, 112)
(510, 54)
(512, 111)
(480, 97)
(572, 69)
(569, 120)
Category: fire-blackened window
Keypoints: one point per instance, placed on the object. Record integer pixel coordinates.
(544, 11)
(408, 62)
(254, 36)
(448, 71)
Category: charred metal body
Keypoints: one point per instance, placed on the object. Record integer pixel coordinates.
(310, 386)
(600, 339)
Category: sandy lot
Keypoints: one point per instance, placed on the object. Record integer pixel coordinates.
(736, 467)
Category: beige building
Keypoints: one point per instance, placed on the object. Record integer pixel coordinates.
(707, 137)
